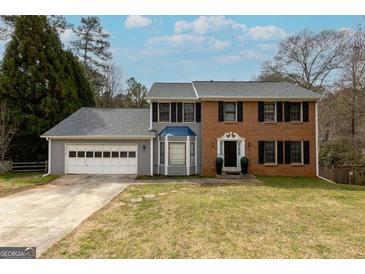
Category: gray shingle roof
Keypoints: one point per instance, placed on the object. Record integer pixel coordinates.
(252, 89)
(104, 122)
(234, 89)
(171, 91)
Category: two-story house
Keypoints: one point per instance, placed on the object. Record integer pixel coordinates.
(189, 125)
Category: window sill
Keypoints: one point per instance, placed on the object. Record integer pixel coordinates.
(270, 122)
(297, 164)
(270, 164)
(230, 122)
(296, 122)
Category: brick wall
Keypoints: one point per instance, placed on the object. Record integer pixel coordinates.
(253, 131)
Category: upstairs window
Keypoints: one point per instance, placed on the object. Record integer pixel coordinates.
(188, 112)
(269, 112)
(295, 112)
(164, 112)
(230, 111)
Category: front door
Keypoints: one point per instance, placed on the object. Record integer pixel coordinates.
(230, 153)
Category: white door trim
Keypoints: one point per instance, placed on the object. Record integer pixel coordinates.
(240, 146)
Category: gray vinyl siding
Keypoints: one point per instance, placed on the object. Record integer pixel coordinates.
(58, 153)
(158, 127)
(176, 170)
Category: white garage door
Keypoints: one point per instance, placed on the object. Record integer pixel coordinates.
(101, 159)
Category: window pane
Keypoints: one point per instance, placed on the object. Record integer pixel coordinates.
(269, 152)
(115, 154)
(162, 153)
(192, 153)
(106, 154)
(97, 154)
(132, 154)
(89, 154)
(296, 152)
(123, 154)
(294, 112)
(269, 112)
(72, 154)
(164, 112)
(188, 112)
(81, 154)
(230, 111)
(177, 153)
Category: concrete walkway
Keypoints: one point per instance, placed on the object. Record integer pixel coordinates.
(41, 216)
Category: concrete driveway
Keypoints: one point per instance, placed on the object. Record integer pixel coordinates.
(41, 216)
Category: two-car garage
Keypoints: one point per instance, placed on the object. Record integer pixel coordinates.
(101, 159)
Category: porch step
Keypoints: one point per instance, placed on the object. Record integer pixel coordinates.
(234, 175)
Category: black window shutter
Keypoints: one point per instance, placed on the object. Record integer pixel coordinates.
(220, 112)
(198, 107)
(261, 152)
(239, 111)
(287, 152)
(279, 111)
(173, 112)
(306, 152)
(154, 112)
(287, 111)
(305, 112)
(260, 106)
(280, 152)
(179, 112)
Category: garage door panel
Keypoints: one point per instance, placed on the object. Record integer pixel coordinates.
(101, 159)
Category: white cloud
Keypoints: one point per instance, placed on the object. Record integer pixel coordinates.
(137, 21)
(66, 35)
(267, 32)
(240, 56)
(177, 39)
(206, 24)
(268, 47)
(220, 45)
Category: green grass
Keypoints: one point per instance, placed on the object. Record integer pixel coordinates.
(280, 217)
(15, 182)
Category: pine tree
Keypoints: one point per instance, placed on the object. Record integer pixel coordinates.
(40, 82)
(93, 49)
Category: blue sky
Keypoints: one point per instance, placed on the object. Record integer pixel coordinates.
(186, 48)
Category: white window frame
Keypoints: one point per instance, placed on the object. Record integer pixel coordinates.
(224, 111)
(275, 112)
(161, 144)
(159, 118)
(276, 153)
(300, 113)
(302, 154)
(183, 112)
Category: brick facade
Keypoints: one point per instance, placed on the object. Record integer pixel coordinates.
(254, 131)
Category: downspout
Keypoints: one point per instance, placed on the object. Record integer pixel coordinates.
(49, 157)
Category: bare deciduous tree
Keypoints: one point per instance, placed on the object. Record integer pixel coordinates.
(112, 88)
(8, 128)
(307, 58)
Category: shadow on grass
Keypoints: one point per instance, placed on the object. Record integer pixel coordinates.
(305, 183)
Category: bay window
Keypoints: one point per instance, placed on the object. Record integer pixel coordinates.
(177, 153)
(192, 153)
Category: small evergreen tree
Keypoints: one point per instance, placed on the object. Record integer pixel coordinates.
(41, 83)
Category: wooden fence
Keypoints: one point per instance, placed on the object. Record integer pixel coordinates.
(349, 174)
(29, 166)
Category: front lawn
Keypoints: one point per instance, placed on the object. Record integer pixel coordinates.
(279, 218)
(15, 182)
